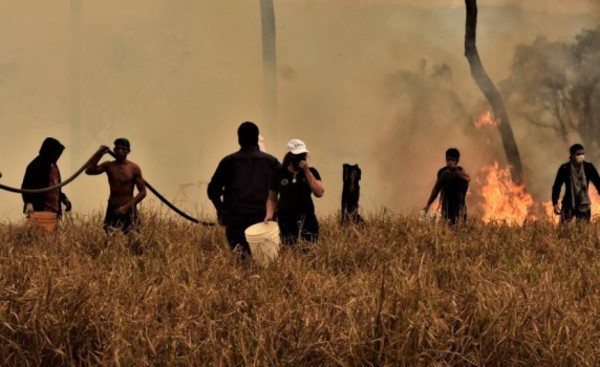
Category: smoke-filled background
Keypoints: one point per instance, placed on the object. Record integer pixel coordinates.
(380, 83)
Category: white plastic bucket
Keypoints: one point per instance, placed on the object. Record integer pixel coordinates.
(263, 239)
(48, 221)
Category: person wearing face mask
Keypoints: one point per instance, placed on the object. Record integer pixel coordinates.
(452, 184)
(576, 176)
(43, 172)
(290, 194)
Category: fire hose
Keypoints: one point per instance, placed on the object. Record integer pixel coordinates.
(169, 204)
(80, 171)
(50, 188)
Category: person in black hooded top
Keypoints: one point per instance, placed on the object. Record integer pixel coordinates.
(43, 172)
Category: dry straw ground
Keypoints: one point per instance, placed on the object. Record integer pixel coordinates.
(394, 292)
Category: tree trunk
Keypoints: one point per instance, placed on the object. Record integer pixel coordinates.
(269, 66)
(351, 194)
(491, 93)
(75, 145)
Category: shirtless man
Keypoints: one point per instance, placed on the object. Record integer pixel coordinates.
(123, 175)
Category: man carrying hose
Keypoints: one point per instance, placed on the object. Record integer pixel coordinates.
(123, 176)
(43, 172)
(240, 186)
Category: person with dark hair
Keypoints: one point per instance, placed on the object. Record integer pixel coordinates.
(576, 176)
(123, 175)
(290, 200)
(452, 183)
(239, 187)
(43, 172)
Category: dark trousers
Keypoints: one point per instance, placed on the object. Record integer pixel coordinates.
(453, 213)
(235, 227)
(567, 215)
(294, 227)
(123, 222)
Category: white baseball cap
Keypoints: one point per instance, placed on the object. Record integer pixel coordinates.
(296, 146)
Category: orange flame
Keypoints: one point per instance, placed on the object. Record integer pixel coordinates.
(486, 120)
(502, 199)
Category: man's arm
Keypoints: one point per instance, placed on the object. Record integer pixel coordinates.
(29, 182)
(594, 177)
(271, 205)
(434, 193)
(65, 200)
(140, 184)
(316, 185)
(216, 187)
(94, 168)
(556, 187)
(463, 175)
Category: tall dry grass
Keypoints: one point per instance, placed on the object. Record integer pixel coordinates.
(396, 292)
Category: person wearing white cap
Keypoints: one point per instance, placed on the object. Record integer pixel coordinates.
(290, 200)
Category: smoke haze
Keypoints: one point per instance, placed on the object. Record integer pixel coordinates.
(380, 83)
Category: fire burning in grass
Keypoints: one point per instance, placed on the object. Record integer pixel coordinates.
(503, 199)
(549, 209)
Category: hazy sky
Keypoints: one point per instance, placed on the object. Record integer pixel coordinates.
(178, 77)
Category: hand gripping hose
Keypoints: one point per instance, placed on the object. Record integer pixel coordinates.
(80, 171)
(46, 189)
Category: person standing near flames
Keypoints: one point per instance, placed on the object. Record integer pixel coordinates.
(43, 172)
(123, 176)
(576, 176)
(239, 187)
(452, 184)
(290, 196)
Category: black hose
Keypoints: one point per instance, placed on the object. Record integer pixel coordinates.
(170, 205)
(46, 189)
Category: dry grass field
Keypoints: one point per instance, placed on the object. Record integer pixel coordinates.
(395, 292)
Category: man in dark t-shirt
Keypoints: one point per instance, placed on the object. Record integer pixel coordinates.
(452, 184)
(240, 186)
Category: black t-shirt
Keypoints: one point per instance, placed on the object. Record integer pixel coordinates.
(243, 179)
(453, 188)
(294, 194)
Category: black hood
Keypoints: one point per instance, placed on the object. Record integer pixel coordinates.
(51, 149)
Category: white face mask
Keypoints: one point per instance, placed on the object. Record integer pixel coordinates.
(579, 159)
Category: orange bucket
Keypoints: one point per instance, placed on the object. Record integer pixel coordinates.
(48, 221)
